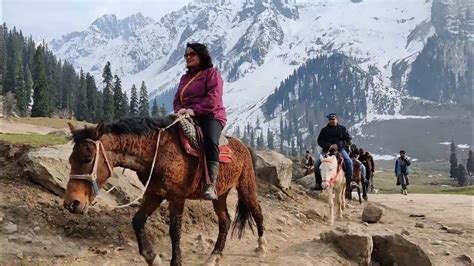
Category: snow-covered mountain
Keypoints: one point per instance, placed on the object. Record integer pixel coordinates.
(256, 44)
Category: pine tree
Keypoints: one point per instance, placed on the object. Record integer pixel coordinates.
(3, 54)
(162, 111)
(260, 142)
(82, 110)
(252, 137)
(245, 136)
(117, 89)
(453, 160)
(91, 95)
(108, 97)
(21, 93)
(461, 175)
(270, 140)
(133, 101)
(143, 108)
(237, 132)
(293, 149)
(99, 103)
(470, 163)
(124, 106)
(154, 109)
(40, 106)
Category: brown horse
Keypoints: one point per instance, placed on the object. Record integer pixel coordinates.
(132, 143)
(357, 178)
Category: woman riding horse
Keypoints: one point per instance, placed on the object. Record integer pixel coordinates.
(200, 95)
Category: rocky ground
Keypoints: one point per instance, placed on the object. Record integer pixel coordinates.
(413, 229)
(35, 230)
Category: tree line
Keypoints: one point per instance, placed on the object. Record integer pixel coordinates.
(35, 83)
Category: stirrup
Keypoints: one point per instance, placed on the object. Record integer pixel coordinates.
(210, 193)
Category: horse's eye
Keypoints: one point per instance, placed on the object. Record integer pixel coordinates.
(87, 159)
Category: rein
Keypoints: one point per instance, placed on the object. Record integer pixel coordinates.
(92, 177)
(332, 180)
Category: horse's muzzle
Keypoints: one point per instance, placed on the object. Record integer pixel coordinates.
(74, 207)
(324, 185)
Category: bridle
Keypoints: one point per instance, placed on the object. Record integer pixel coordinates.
(332, 180)
(92, 177)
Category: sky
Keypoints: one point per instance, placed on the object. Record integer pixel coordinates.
(51, 19)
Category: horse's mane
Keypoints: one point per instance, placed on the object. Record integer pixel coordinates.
(137, 125)
(129, 125)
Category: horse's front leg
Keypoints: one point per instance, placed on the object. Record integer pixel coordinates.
(176, 208)
(331, 206)
(358, 192)
(365, 187)
(149, 205)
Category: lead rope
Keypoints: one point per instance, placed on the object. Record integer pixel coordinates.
(160, 130)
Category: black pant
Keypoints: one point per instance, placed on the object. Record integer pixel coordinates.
(211, 129)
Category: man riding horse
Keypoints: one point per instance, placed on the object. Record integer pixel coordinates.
(333, 136)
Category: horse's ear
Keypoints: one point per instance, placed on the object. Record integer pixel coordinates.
(72, 128)
(100, 130)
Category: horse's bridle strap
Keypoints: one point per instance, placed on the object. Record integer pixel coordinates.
(333, 179)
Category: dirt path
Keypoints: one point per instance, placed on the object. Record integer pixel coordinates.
(46, 234)
(6, 126)
(446, 209)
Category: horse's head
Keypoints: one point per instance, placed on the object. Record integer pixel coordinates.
(90, 168)
(328, 169)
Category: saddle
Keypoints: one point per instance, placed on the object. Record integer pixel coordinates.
(191, 137)
(340, 160)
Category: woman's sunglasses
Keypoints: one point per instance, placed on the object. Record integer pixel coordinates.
(191, 54)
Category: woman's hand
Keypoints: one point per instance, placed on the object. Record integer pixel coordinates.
(184, 111)
(190, 112)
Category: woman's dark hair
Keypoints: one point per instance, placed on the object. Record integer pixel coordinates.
(202, 53)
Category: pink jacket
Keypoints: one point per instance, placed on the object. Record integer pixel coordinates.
(203, 95)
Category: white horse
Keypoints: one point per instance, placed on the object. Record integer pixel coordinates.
(334, 181)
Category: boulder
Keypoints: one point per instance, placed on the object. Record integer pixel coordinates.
(355, 244)
(274, 168)
(394, 249)
(306, 181)
(372, 213)
(49, 167)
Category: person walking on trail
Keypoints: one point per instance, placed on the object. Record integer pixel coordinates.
(334, 136)
(308, 163)
(366, 158)
(401, 171)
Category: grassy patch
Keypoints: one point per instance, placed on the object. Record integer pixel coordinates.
(424, 179)
(49, 122)
(469, 190)
(35, 140)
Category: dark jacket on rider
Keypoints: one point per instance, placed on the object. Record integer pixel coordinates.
(333, 135)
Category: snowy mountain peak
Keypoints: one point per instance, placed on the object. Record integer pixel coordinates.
(256, 45)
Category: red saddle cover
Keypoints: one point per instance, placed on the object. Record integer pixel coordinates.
(225, 153)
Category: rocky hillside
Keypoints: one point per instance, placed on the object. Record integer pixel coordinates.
(34, 228)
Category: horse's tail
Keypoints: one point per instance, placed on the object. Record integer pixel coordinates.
(254, 159)
(243, 212)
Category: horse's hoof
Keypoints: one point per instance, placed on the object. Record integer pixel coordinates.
(156, 261)
(212, 260)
